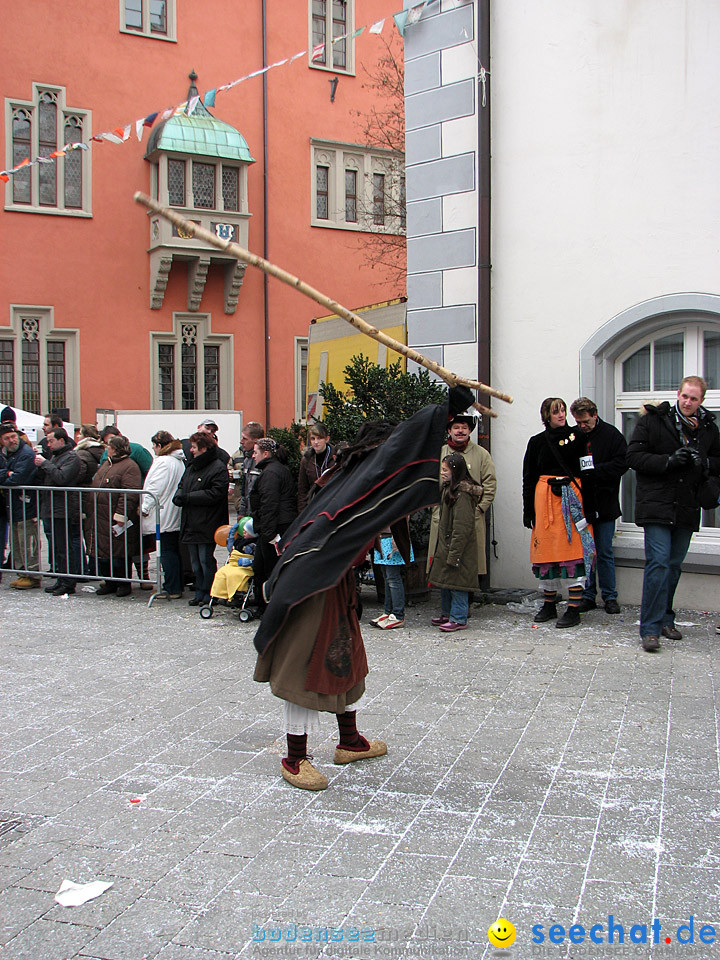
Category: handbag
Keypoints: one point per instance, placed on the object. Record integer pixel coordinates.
(708, 493)
(556, 484)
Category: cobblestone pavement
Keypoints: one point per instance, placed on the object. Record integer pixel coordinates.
(545, 776)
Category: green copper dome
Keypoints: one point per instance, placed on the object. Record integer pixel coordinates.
(200, 134)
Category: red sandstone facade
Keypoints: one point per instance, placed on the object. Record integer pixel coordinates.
(76, 285)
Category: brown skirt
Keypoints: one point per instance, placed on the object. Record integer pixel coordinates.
(290, 663)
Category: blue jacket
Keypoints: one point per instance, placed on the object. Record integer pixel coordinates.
(19, 470)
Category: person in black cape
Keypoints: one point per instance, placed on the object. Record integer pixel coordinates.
(309, 644)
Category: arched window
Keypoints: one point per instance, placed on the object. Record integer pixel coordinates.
(652, 371)
(41, 130)
(641, 356)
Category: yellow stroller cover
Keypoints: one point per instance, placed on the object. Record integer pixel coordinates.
(231, 579)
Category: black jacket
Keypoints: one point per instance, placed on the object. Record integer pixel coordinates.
(665, 495)
(272, 499)
(18, 470)
(555, 452)
(608, 448)
(203, 495)
(63, 469)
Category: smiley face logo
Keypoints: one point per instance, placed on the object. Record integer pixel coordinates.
(501, 933)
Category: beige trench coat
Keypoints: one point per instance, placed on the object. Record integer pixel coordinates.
(482, 470)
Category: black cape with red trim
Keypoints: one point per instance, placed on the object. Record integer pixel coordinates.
(397, 478)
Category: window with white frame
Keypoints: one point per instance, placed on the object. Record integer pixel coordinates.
(357, 188)
(39, 130)
(651, 370)
(149, 18)
(301, 363)
(332, 45)
(39, 364)
(192, 367)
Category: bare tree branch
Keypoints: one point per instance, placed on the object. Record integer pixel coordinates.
(383, 127)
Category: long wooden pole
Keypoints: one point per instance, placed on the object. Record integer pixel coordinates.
(240, 253)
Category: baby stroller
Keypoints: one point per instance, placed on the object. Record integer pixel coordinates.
(234, 580)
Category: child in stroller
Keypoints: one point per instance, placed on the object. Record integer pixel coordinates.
(233, 581)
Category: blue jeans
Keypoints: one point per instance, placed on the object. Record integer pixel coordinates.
(202, 558)
(394, 590)
(171, 562)
(454, 604)
(603, 531)
(665, 549)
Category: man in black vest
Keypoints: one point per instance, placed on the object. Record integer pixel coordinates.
(604, 466)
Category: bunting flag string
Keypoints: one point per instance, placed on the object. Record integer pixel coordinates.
(122, 133)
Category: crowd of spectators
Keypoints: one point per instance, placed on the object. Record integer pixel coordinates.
(183, 489)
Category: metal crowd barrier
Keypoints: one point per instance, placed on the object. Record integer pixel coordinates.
(64, 514)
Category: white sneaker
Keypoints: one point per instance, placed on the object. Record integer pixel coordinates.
(390, 622)
(378, 620)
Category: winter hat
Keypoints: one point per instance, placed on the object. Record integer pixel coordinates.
(8, 415)
(245, 525)
(7, 426)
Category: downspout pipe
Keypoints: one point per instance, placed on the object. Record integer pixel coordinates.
(266, 243)
(484, 262)
(484, 223)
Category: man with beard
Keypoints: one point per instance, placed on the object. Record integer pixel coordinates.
(17, 470)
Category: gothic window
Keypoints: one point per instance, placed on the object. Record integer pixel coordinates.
(40, 130)
(357, 188)
(322, 183)
(351, 198)
(203, 184)
(193, 367)
(38, 363)
(379, 199)
(176, 182)
(231, 188)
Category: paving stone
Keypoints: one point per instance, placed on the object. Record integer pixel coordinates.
(147, 924)
(541, 775)
(48, 940)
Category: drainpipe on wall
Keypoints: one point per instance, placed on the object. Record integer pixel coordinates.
(484, 262)
(266, 291)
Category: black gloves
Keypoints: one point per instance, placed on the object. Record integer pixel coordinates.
(699, 462)
(460, 398)
(529, 520)
(679, 459)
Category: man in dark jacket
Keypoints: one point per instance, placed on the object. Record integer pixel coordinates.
(203, 495)
(673, 449)
(60, 509)
(603, 466)
(17, 470)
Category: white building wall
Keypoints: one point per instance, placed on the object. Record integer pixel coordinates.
(605, 194)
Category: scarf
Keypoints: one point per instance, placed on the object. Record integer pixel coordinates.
(572, 512)
(459, 447)
(682, 421)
